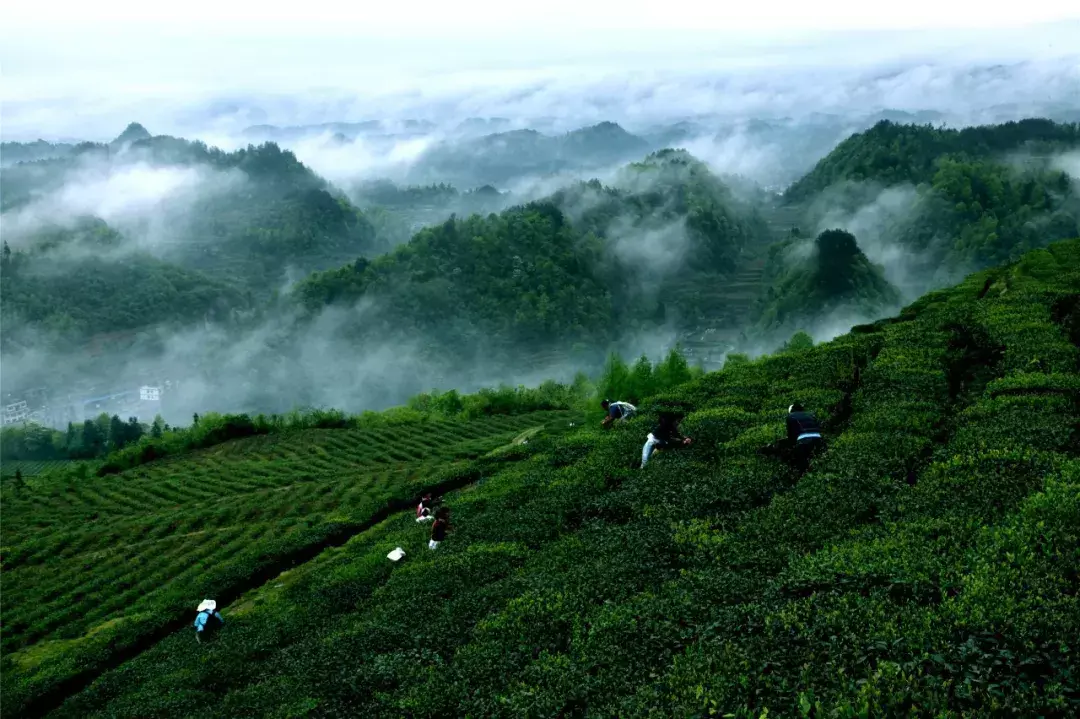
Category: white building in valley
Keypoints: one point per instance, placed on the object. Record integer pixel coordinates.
(16, 412)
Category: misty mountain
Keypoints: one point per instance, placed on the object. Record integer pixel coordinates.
(891, 153)
(373, 130)
(667, 188)
(934, 204)
(585, 265)
(289, 283)
(134, 132)
(809, 280)
(502, 157)
(66, 288)
(15, 152)
(253, 217)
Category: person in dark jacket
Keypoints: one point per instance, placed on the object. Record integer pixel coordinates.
(440, 527)
(803, 433)
(665, 435)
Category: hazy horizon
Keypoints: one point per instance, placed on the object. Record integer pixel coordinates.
(218, 78)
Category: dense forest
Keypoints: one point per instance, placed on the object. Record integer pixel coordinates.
(66, 288)
(967, 198)
(892, 153)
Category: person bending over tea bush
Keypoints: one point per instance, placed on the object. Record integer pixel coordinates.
(617, 411)
(439, 528)
(803, 434)
(207, 610)
(423, 510)
(665, 435)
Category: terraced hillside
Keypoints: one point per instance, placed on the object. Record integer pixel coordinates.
(927, 564)
(94, 567)
(729, 305)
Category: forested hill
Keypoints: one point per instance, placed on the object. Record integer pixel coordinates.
(505, 156)
(834, 274)
(891, 153)
(940, 202)
(250, 217)
(69, 289)
(585, 265)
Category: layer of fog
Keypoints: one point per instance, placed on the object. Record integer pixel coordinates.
(1069, 163)
(966, 77)
(148, 203)
(279, 365)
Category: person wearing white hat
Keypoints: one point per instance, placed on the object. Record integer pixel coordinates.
(207, 608)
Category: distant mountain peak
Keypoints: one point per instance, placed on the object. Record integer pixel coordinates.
(605, 127)
(132, 133)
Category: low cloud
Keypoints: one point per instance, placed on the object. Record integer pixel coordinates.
(148, 203)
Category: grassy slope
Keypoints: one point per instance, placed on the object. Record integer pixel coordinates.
(94, 566)
(927, 563)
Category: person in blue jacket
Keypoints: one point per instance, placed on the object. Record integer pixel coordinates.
(207, 609)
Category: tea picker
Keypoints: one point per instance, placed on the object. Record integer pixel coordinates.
(803, 433)
(207, 609)
(439, 528)
(617, 411)
(665, 435)
(423, 510)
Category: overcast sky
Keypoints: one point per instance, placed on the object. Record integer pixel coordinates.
(118, 53)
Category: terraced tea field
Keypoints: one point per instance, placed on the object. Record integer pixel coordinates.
(93, 565)
(33, 467)
(727, 305)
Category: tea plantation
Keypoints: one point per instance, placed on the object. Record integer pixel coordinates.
(928, 563)
(96, 567)
(32, 467)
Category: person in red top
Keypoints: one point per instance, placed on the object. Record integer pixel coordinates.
(423, 510)
(439, 528)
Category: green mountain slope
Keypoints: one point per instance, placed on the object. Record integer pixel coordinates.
(926, 563)
(954, 201)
